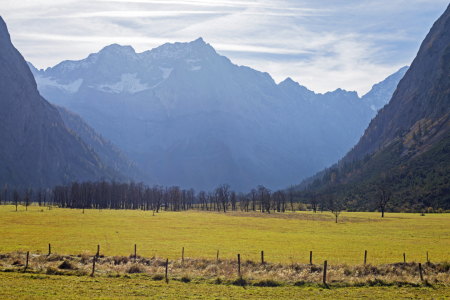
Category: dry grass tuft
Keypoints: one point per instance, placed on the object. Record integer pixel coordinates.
(84, 257)
(136, 268)
(67, 265)
(120, 260)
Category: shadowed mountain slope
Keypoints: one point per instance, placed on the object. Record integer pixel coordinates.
(36, 149)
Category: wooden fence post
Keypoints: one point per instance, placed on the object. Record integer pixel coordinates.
(325, 273)
(49, 249)
(420, 271)
(26, 265)
(365, 257)
(262, 257)
(239, 264)
(217, 256)
(93, 267)
(427, 257)
(182, 255)
(310, 257)
(404, 257)
(98, 251)
(135, 253)
(167, 266)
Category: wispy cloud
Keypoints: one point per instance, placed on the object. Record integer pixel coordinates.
(322, 44)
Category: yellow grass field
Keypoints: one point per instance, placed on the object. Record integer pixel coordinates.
(284, 238)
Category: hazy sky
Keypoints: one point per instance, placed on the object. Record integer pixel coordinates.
(322, 44)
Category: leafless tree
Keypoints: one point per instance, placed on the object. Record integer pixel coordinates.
(190, 197)
(158, 195)
(222, 194)
(16, 197)
(233, 200)
(212, 201)
(254, 198)
(264, 196)
(202, 200)
(291, 198)
(314, 202)
(382, 197)
(335, 206)
(27, 198)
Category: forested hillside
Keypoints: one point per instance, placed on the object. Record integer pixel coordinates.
(406, 146)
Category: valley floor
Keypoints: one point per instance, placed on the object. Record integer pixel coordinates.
(29, 286)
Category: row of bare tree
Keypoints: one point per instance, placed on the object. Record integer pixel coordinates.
(115, 195)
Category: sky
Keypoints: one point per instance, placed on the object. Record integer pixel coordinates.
(322, 44)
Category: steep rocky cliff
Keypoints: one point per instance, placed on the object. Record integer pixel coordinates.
(422, 97)
(36, 148)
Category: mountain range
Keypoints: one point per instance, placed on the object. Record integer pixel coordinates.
(190, 117)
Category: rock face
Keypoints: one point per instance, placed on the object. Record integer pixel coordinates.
(190, 117)
(36, 149)
(422, 96)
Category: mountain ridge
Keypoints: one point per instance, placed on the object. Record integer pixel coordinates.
(178, 99)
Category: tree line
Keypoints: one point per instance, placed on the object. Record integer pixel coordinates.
(137, 196)
(116, 195)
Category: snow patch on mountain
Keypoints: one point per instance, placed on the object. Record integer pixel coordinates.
(71, 88)
(128, 83)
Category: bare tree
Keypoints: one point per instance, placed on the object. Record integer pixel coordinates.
(254, 198)
(27, 197)
(382, 197)
(190, 197)
(291, 198)
(202, 199)
(158, 194)
(222, 196)
(39, 197)
(314, 202)
(335, 206)
(265, 198)
(16, 197)
(233, 200)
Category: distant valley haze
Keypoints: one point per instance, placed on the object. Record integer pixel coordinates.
(190, 117)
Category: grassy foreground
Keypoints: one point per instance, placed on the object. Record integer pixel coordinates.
(285, 238)
(26, 286)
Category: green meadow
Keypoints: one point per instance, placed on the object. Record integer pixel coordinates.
(26, 286)
(284, 237)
